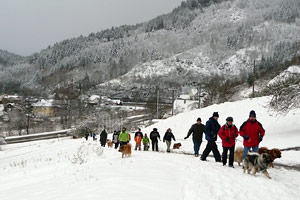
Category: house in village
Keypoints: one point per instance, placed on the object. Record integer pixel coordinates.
(10, 99)
(43, 108)
(9, 107)
(94, 100)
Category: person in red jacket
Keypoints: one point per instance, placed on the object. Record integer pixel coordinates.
(253, 132)
(228, 132)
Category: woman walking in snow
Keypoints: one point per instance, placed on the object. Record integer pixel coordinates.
(168, 138)
(228, 132)
(115, 138)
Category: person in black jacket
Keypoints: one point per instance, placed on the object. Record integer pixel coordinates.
(197, 130)
(154, 136)
(138, 133)
(168, 137)
(103, 137)
(211, 132)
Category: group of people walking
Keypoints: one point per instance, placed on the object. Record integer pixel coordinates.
(251, 130)
(123, 137)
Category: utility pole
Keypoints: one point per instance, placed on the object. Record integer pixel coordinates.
(157, 102)
(253, 92)
(135, 98)
(199, 95)
(173, 99)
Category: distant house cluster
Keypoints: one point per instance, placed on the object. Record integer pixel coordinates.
(97, 100)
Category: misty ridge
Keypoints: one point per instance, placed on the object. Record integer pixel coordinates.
(206, 41)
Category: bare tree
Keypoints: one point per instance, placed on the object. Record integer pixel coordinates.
(65, 103)
(286, 94)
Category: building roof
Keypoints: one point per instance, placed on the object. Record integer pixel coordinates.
(94, 97)
(44, 103)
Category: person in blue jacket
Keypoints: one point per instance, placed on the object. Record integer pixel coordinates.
(211, 132)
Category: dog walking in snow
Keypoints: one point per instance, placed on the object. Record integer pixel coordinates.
(255, 162)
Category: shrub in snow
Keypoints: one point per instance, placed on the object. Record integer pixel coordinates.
(81, 155)
(84, 151)
(286, 94)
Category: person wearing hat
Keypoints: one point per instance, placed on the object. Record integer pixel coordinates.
(124, 137)
(253, 132)
(212, 128)
(228, 132)
(154, 136)
(197, 130)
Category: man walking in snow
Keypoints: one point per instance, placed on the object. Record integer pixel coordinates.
(154, 136)
(103, 137)
(253, 132)
(197, 130)
(124, 137)
(212, 128)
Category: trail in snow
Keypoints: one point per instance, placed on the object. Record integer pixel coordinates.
(79, 169)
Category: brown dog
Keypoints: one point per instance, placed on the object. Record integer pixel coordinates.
(238, 155)
(176, 145)
(110, 144)
(274, 153)
(125, 150)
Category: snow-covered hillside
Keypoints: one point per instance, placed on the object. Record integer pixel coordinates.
(78, 169)
(198, 39)
(281, 131)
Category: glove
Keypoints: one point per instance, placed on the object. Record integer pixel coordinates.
(185, 138)
(227, 139)
(246, 137)
(260, 138)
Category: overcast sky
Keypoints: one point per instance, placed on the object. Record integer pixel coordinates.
(27, 26)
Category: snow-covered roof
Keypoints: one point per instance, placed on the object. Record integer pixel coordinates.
(295, 69)
(44, 103)
(94, 97)
(184, 96)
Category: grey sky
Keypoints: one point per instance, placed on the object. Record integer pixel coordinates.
(27, 26)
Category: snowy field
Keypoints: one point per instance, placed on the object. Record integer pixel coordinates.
(79, 169)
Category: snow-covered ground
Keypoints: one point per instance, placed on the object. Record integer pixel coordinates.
(79, 169)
